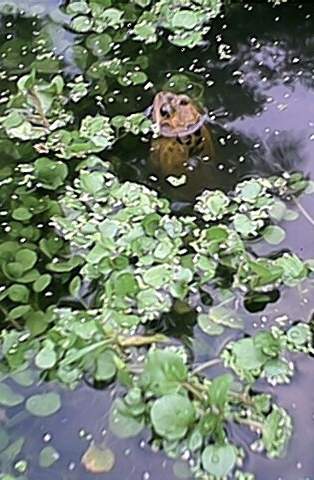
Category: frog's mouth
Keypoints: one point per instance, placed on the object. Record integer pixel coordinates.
(167, 130)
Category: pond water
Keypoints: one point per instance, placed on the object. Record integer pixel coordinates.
(255, 75)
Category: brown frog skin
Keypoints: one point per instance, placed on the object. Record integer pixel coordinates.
(183, 137)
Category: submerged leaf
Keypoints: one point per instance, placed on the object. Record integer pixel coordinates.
(43, 405)
(98, 458)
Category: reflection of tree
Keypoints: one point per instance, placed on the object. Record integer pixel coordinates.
(264, 53)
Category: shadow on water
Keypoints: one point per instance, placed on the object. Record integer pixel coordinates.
(259, 98)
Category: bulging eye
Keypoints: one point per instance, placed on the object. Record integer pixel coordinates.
(165, 111)
(184, 102)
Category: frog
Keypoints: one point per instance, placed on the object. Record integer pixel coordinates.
(183, 138)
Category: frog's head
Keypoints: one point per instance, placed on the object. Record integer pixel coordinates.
(176, 115)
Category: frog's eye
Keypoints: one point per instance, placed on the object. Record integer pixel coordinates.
(184, 102)
(165, 111)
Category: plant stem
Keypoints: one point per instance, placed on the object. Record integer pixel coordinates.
(303, 211)
(250, 423)
(203, 366)
(190, 388)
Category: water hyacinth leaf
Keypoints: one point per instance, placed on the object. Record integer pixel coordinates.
(186, 39)
(18, 293)
(182, 470)
(26, 378)
(291, 215)
(81, 24)
(219, 461)
(43, 405)
(171, 416)
(294, 270)
(145, 32)
(50, 173)
(46, 358)
(247, 356)
(98, 458)
(277, 370)
(195, 440)
(21, 214)
(163, 249)
(99, 44)
(26, 257)
(4, 438)
(278, 210)
(121, 421)
(209, 326)
(19, 311)
(164, 371)
(138, 78)
(92, 182)
(42, 282)
(226, 317)
(218, 390)
(105, 366)
(125, 284)
(249, 190)
(79, 6)
(274, 234)
(212, 205)
(185, 19)
(8, 397)
(157, 276)
(48, 456)
(244, 225)
(299, 334)
(11, 452)
(75, 286)
(276, 432)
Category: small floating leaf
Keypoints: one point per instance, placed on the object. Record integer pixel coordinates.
(8, 397)
(98, 459)
(185, 19)
(43, 405)
(171, 415)
(48, 456)
(219, 461)
(274, 234)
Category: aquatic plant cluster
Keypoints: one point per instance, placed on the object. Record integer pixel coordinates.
(89, 263)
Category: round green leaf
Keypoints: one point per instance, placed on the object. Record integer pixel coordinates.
(209, 326)
(274, 234)
(171, 415)
(18, 293)
(121, 421)
(81, 23)
(4, 438)
(46, 358)
(98, 459)
(21, 214)
(299, 334)
(19, 311)
(185, 19)
(105, 366)
(26, 257)
(42, 282)
(99, 44)
(48, 456)
(8, 397)
(219, 461)
(43, 405)
(157, 276)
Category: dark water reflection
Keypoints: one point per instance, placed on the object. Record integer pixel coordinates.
(261, 104)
